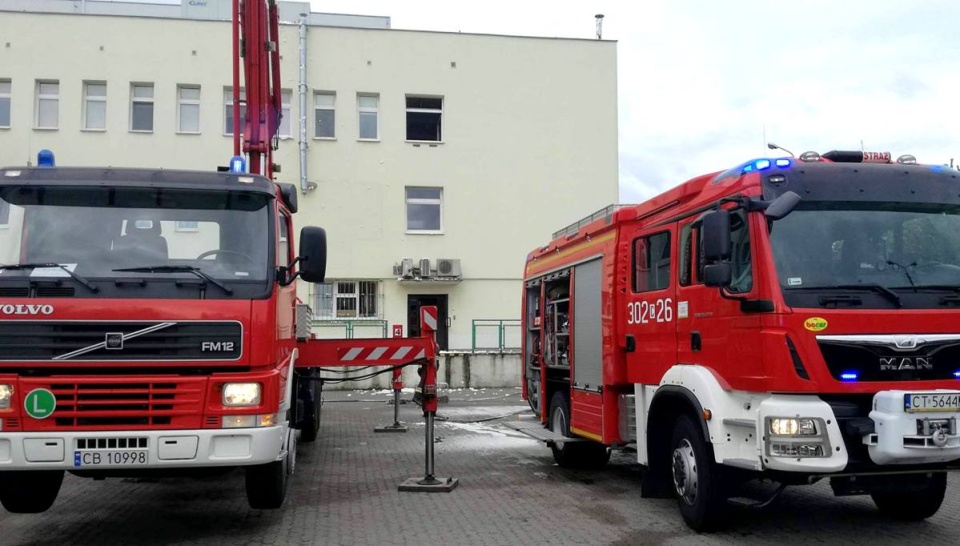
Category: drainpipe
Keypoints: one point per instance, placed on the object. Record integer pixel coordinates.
(305, 186)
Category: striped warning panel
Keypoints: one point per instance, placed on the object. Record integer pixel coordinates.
(385, 353)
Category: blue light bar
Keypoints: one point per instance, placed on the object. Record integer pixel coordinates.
(849, 376)
(783, 162)
(238, 164)
(957, 374)
(45, 159)
(762, 164)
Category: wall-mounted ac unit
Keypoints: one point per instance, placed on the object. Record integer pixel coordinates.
(447, 267)
(406, 268)
(425, 268)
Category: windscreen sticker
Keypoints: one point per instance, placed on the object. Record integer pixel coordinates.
(53, 271)
(815, 324)
(794, 281)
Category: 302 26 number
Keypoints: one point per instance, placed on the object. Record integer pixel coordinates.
(645, 312)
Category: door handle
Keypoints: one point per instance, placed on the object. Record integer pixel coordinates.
(630, 344)
(696, 342)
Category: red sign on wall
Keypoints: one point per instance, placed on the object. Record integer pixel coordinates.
(397, 330)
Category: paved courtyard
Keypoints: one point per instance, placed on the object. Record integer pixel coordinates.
(511, 492)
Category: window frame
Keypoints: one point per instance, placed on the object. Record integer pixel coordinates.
(9, 96)
(409, 110)
(375, 110)
(181, 102)
(46, 97)
(286, 114)
(366, 295)
(422, 201)
(635, 270)
(87, 100)
(317, 107)
(151, 100)
(228, 108)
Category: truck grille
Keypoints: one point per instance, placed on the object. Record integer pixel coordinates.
(872, 361)
(38, 340)
(113, 403)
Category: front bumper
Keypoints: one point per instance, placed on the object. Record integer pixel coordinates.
(153, 449)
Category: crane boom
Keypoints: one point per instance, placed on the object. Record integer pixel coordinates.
(256, 46)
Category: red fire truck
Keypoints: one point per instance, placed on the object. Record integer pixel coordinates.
(149, 322)
(793, 319)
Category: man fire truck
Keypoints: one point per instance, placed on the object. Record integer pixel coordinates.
(792, 319)
(148, 318)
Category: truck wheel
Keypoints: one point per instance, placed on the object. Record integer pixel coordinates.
(572, 454)
(533, 396)
(696, 477)
(913, 504)
(29, 492)
(267, 483)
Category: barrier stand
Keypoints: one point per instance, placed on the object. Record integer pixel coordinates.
(429, 483)
(397, 386)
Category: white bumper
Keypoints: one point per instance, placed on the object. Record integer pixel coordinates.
(912, 438)
(154, 449)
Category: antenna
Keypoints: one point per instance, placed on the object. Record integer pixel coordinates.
(773, 146)
(599, 18)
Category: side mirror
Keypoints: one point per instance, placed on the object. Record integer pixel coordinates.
(716, 235)
(717, 275)
(313, 254)
(782, 206)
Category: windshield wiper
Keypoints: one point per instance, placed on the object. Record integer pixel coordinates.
(878, 288)
(78, 278)
(178, 269)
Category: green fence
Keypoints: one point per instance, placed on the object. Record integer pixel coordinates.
(350, 329)
(496, 334)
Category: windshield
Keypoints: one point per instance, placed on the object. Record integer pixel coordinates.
(94, 231)
(887, 245)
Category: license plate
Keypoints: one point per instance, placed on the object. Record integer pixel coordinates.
(931, 402)
(85, 459)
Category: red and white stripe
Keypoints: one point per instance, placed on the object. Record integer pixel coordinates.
(373, 354)
(428, 316)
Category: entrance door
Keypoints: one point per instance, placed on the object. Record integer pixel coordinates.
(414, 302)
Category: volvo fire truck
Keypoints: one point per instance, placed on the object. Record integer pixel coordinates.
(149, 321)
(792, 319)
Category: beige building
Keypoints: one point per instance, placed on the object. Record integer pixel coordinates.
(435, 161)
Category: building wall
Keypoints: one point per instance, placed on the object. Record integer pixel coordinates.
(529, 136)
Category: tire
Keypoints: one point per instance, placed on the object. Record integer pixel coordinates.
(572, 454)
(696, 477)
(267, 483)
(533, 396)
(29, 492)
(913, 503)
(310, 426)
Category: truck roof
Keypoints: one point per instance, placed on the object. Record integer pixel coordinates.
(129, 177)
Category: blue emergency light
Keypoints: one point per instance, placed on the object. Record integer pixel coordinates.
(849, 376)
(764, 164)
(238, 164)
(45, 158)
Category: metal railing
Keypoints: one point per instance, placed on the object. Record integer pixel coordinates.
(496, 334)
(573, 228)
(350, 329)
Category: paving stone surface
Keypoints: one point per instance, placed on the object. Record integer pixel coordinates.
(511, 492)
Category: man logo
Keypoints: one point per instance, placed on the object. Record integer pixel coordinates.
(216, 346)
(897, 363)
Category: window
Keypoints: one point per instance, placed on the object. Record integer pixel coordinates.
(686, 254)
(188, 109)
(286, 121)
(347, 299)
(368, 107)
(5, 103)
(228, 109)
(325, 115)
(188, 226)
(141, 107)
(283, 250)
(424, 118)
(740, 261)
(424, 209)
(48, 105)
(94, 106)
(651, 262)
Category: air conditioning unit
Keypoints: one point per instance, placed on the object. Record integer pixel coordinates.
(425, 268)
(447, 267)
(406, 268)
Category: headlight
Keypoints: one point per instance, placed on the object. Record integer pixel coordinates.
(6, 393)
(793, 426)
(241, 394)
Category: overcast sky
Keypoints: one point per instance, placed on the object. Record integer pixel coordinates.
(701, 81)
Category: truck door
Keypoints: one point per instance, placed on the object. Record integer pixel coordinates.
(649, 308)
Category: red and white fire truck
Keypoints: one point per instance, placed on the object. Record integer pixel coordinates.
(793, 319)
(149, 322)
